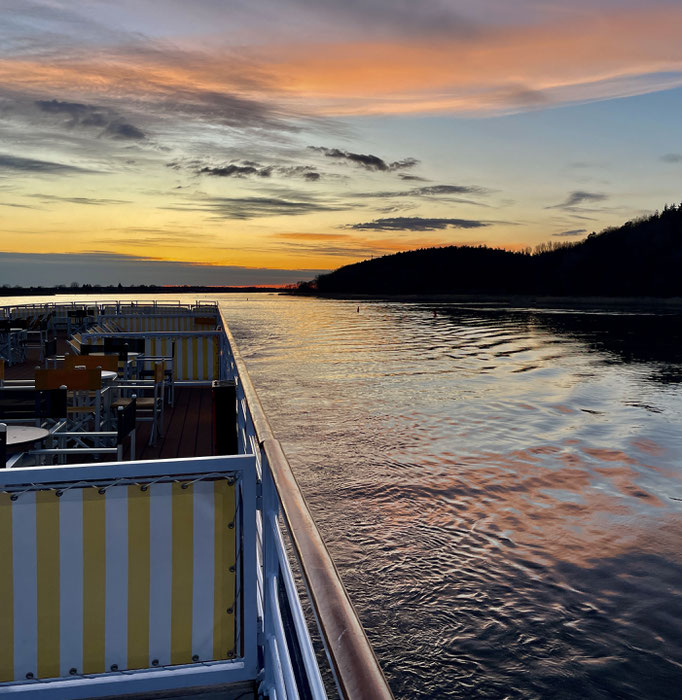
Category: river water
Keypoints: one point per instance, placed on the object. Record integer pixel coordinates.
(500, 489)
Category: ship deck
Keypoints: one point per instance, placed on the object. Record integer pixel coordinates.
(187, 423)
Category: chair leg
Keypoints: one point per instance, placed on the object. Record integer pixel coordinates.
(152, 432)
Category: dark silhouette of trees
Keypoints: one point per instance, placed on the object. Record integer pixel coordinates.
(641, 258)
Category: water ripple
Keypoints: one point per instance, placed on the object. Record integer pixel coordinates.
(501, 489)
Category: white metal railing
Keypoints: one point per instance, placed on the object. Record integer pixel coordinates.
(279, 676)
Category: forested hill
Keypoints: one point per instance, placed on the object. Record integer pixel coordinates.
(640, 258)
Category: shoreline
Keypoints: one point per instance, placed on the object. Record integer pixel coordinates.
(516, 300)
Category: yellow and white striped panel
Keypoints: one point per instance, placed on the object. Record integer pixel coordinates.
(128, 579)
(197, 357)
(142, 323)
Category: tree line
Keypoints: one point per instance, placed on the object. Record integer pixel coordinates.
(643, 257)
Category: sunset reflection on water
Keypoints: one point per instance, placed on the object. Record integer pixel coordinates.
(498, 487)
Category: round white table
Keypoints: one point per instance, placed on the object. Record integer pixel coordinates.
(20, 435)
(108, 375)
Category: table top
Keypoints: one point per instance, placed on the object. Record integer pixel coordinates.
(24, 434)
(113, 352)
(108, 375)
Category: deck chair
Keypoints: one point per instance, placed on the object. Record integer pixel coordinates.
(43, 408)
(106, 362)
(36, 335)
(81, 444)
(85, 392)
(75, 343)
(124, 364)
(145, 372)
(50, 353)
(111, 327)
(12, 383)
(149, 408)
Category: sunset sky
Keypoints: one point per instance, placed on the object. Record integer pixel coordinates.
(264, 141)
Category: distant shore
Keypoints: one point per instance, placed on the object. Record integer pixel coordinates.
(498, 300)
(520, 300)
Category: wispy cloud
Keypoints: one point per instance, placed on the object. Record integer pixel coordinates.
(253, 207)
(90, 201)
(38, 167)
(448, 193)
(311, 236)
(579, 197)
(416, 223)
(17, 206)
(672, 158)
(399, 59)
(572, 232)
(350, 246)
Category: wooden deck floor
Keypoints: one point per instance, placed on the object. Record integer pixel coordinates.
(187, 431)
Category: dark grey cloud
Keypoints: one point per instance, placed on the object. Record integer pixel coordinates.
(123, 131)
(248, 168)
(580, 197)
(431, 190)
(76, 114)
(110, 268)
(572, 232)
(365, 160)
(411, 178)
(253, 207)
(31, 165)
(416, 223)
(233, 170)
(672, 158)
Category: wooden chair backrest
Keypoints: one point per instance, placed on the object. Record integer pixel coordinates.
(108, 362)
(159, 371)
(72, 379)
(29, 404)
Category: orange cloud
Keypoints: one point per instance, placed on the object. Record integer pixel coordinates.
(597, 55)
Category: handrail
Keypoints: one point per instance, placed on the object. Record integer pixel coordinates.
(353, 661)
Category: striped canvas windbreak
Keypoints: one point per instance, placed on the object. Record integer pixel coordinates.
(196, 356)
(129, 578)
(140, 323)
